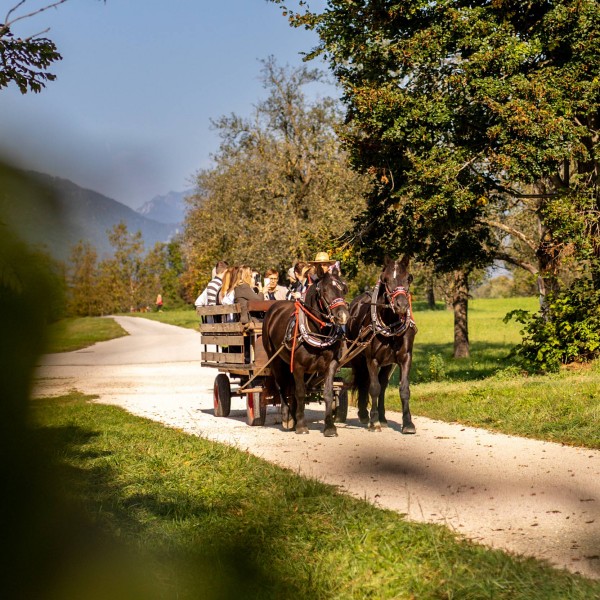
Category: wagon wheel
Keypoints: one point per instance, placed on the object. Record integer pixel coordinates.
(341, 409)
(256, 408)
(222, 395)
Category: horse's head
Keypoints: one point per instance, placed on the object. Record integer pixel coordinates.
(396, 281)
(331, 289)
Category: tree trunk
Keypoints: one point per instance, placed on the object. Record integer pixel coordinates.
(548, 263)
(460, 303)
(430, 294)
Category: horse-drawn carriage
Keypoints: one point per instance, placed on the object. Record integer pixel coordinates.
(232, 342)
(297, 351)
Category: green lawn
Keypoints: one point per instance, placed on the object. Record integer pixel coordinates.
(76, 333)
(184, 317)
(149, 512)
(484, 391)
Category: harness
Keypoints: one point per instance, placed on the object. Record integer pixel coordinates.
(303, 335)
(399, 327)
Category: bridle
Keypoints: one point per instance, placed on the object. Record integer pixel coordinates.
(327, 308)
(399, 327)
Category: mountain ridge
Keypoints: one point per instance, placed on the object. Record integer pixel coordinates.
(77, 213)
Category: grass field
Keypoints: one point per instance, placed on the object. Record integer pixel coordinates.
(77, 333)
(484, 390)
(181, 517)
(181, 317)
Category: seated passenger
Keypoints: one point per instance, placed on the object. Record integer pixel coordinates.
(243, 286)
(301, 270)
(272, 289)
(226, 294)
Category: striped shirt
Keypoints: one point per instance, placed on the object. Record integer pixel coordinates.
(212, 290)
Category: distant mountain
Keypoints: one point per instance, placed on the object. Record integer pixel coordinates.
(77, 214)
(166, 209)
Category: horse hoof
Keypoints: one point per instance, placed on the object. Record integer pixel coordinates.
(364, 420)
(330, 432)
(301, 430)
(409, 429)
(383, 423)
(288, 425)
(373, 427)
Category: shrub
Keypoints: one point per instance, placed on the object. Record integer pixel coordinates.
(568, 331)
(436, 367)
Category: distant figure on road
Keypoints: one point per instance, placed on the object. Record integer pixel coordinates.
(159, 303)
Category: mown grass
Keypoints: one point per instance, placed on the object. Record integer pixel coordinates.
(182, 317)
(561, 408)
(485, 390)
(76, 333)
(209, 521)
(490, 340)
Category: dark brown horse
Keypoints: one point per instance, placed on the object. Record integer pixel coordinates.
(311, 344)
(384, 317)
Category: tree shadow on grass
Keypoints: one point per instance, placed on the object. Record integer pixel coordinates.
(486, 359)
(211, 552)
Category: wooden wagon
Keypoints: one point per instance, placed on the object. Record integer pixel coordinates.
(231, 338)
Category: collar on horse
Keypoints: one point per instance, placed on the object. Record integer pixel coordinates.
(302, 333)
(399, 327)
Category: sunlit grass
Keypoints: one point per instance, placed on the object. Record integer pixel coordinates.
(214, 522)
(182, 317)
(80, 332)
(490, 339)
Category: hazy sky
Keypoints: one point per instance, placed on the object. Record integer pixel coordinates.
(129, 113)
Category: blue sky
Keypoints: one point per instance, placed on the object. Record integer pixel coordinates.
(129, 113)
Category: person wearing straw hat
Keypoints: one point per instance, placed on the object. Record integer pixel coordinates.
(322, 264)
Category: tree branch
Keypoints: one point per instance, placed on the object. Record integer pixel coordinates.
(8, 22)
(512, 231)
(513, 260)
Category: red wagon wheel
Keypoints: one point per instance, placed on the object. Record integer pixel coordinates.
(222, 395)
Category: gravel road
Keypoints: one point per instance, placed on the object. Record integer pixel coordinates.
(526, 497)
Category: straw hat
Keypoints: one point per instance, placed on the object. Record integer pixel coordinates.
(322, 258)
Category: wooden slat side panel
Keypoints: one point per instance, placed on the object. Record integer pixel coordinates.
(219, 309)
(222, 340)
(221, 327)
(219, 357)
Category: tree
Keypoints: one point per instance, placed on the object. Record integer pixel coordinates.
(84, 294)
(25, 61)
(123, 277)
(457, 107)
(280, 188)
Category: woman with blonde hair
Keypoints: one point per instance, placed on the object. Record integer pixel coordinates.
(243, 286)
(226, 295)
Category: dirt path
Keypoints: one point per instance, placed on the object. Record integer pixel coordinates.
(532, 498)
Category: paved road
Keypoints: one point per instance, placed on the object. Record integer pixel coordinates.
(528, 497)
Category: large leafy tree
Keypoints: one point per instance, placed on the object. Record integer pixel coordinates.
(459, 108)
(280, 188)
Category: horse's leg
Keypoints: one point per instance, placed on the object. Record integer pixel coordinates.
(374, 390)
(300, 399)
(329, 430)
(360, 381)
(384, 378)
(405, 361)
